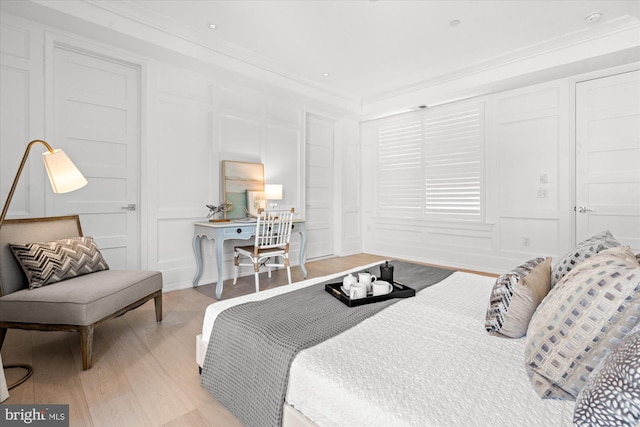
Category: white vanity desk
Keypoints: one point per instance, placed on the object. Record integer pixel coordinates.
(221, 231)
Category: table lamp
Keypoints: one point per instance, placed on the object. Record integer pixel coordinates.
(273, 192)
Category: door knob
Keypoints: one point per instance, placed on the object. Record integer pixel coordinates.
(129, 207)
(584, 209)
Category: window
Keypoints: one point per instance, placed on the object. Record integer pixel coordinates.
(400, 178)
(452, 161)
(430, 163)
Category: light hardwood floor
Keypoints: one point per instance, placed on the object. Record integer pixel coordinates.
(144, 373)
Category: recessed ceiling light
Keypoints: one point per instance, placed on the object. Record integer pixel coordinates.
(593, 17)
(212, 26)
(454, 23)
(326, 74)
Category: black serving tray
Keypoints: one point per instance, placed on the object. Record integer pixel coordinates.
(399, 291)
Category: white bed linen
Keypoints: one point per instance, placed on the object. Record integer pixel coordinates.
(395, 370)
(443, 369)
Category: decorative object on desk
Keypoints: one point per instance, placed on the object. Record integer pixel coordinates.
(273, 192)
(255, 202)
(64, 177)
(215, 210)
(237, 179)
(386, 272)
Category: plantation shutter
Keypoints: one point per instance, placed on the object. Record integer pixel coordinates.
(453, 149)
(400, 189)
(430, 164)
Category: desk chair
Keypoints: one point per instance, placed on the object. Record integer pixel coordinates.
(273, 232)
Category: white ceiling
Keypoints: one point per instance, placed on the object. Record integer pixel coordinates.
(373, 47)
(374, 51)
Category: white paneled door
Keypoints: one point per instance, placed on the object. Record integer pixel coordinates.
(95, 118)
(319, 187)
(608, 157)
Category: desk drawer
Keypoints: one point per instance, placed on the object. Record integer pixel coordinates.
(240, 232)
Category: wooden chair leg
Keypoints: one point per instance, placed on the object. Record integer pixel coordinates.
(86, 346)
(158, 301)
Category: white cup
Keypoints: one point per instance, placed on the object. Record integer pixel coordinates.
(348, 281)
(357, 291)
(367, 279)
(380, 287)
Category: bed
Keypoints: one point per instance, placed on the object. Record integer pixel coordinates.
(425, 360)
(544, 344)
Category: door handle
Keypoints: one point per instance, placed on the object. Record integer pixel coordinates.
(583, 209)
(129, 207)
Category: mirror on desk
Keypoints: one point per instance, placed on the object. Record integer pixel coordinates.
(243, 186)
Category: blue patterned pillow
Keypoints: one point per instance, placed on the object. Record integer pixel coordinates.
(611, 395)
(51, 262)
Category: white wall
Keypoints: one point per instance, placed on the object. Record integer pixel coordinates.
(21, 114)
(194, 117)
(527, 137)
(198, 121)
(190, 121)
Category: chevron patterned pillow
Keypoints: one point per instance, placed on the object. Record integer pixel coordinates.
(51, 262)
(515, 296)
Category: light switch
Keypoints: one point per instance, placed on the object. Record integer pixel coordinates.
(543, 193)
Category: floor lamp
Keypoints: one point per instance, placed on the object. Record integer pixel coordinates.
(64, 177)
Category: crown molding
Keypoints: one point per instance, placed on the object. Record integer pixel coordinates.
(538, 51)
(617, 44)
(142, 30)
(132, 20)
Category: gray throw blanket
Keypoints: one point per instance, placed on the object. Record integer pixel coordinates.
(252, 345)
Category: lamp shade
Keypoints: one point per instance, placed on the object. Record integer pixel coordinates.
(63, 174)
(273, 192)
